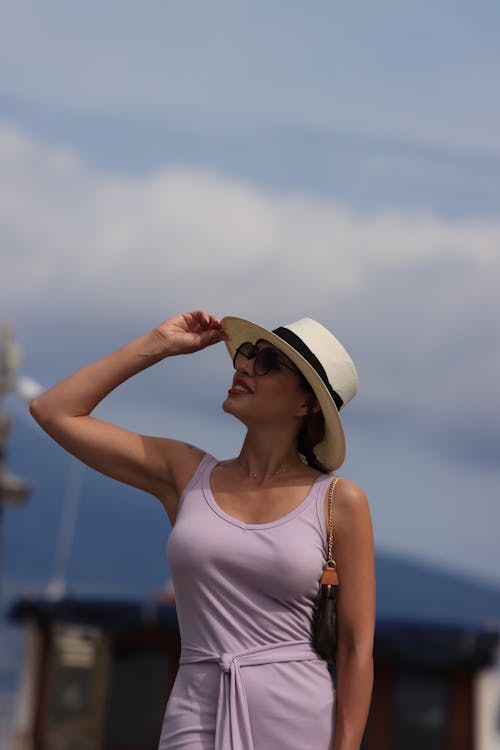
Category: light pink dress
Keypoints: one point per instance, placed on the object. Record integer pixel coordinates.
(248, 676)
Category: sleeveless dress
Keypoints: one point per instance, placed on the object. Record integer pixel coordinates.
(248, 677)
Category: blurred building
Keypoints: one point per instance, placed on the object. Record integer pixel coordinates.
(97, 674)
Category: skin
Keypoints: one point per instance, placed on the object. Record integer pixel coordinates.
(272, 408)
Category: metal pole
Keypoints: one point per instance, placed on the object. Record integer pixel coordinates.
(57, 587)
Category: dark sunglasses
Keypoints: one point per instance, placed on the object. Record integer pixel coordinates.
(266, 358)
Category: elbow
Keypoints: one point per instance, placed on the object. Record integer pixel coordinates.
(354, 664)
(34, 408)
(50, 414)
(359, 649)
(39, 411)
(359, 654)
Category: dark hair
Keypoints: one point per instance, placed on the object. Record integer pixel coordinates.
(311, 432)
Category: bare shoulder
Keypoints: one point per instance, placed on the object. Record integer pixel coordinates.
(350, 498)
(350, 503)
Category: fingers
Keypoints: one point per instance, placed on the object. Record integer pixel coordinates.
(204, 321)
(191, 331)
(207, 338)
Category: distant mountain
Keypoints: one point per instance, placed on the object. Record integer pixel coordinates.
(419, 592)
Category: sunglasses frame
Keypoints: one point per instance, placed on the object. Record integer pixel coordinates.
(255, 351)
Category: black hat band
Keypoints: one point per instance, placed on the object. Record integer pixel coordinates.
(296, 343)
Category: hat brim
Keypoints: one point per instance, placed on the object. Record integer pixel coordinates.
(331, 450)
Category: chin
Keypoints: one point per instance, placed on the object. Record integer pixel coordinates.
(228, 405)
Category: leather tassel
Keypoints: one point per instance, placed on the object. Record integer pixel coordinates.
(325, 616)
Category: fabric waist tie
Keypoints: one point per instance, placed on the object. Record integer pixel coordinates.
(232, 729)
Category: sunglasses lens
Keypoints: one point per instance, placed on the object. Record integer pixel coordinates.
(246, 350)
(266, 360)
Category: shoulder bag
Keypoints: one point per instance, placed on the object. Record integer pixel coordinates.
(324, 632)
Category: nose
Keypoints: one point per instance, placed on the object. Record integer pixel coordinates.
(245, 365)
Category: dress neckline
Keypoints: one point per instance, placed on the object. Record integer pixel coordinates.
(210, 498)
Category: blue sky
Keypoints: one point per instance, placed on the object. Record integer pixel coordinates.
(272, 161)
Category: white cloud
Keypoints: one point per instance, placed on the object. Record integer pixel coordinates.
(415, 293)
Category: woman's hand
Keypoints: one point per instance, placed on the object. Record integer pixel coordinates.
(189, 332)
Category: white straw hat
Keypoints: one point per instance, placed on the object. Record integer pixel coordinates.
(322, 360)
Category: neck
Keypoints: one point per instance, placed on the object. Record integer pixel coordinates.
(262, 456)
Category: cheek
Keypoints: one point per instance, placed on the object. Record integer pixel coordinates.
(286, 399)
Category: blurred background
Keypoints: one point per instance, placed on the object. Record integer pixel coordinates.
(269, 160)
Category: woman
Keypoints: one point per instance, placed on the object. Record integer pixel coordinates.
(249, 534)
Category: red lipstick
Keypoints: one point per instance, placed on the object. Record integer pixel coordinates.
(239, 388)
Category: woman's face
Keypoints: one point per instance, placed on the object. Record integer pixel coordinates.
(266, 385)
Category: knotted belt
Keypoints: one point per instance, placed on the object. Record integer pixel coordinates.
(232, 729)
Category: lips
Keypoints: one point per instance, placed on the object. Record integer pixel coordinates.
(239, 388)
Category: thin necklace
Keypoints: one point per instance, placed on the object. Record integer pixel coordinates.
(281, 470)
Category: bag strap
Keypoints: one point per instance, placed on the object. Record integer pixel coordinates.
(330, 561)
(330, 575)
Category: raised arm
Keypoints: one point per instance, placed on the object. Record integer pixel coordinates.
(158, 466)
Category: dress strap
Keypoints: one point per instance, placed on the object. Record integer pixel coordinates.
(206, 462)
